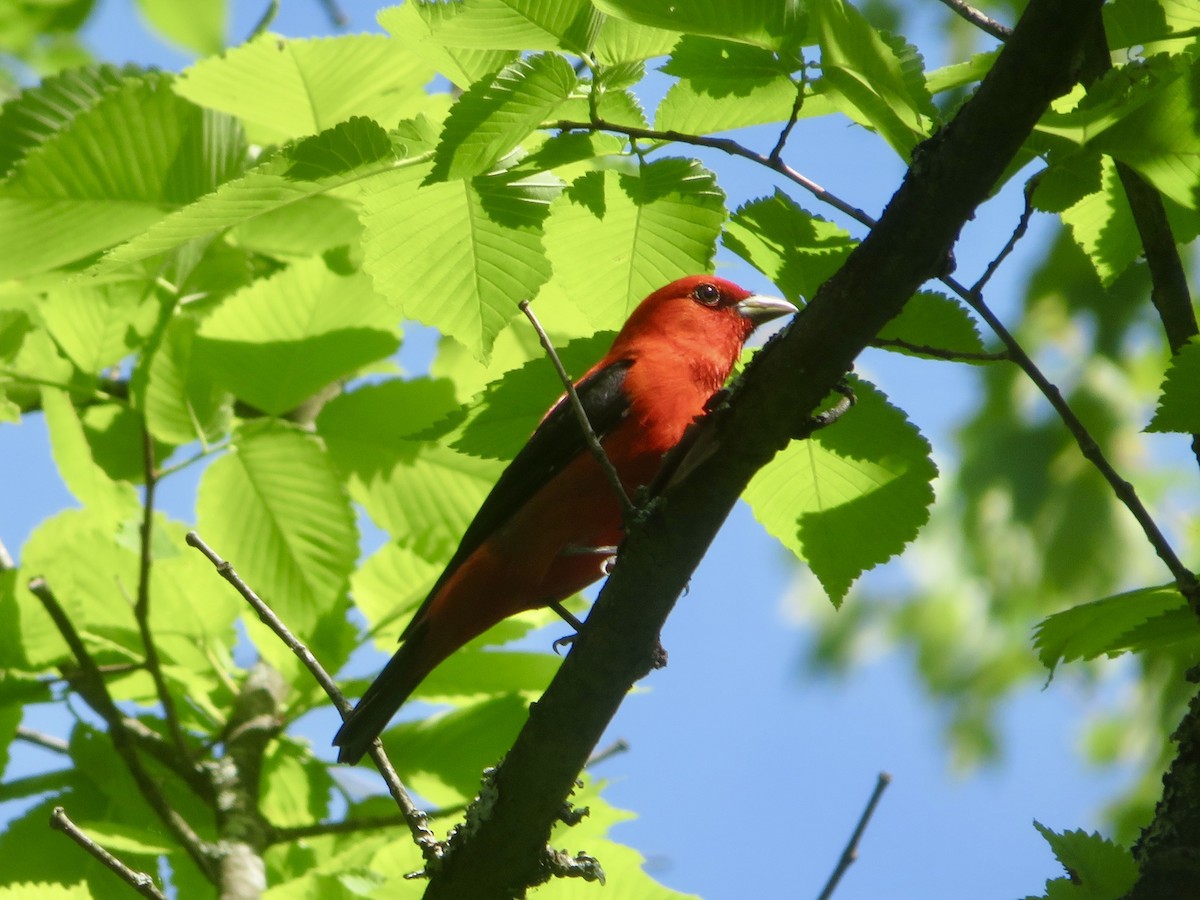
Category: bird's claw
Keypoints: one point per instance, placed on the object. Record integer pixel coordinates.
(563, 642)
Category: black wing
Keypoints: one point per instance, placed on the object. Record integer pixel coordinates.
(556, 442)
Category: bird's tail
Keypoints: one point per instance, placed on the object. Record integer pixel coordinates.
(387, 693)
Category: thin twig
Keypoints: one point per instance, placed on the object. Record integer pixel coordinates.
(786, 131)
(942, 352)
(260, 28)
(337, 18)
(100, 700)
(979, 19)
(617, 747)
(139, 881)
(353, 826)
(141, 608)
(610, 472)
(725, 145)
(1185, 579)
(1017, 234)
(6, 560)
(417, 823)
(45, 741)
(850, 854)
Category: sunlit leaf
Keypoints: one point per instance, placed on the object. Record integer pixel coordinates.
(851, 496)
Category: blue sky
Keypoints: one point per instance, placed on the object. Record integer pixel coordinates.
(748, 778)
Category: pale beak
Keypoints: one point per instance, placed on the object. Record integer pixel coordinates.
(759, 309)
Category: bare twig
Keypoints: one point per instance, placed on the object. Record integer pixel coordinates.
(725, 145)
(141, 609)
(617, 747)
(942, 352)
(100, 700)
(261, 26)
(351, 826)
(850, 854)
(417, 821)
(1017, 234)
(786, 131)
(39, 739)
(337, 18)
(139, 881)
(610, 472)
(979, 19)
(1185, 579)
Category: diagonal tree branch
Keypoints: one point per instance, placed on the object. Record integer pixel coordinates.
(201, 852)
(951, 174)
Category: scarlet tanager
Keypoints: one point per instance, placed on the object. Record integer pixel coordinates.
(529, 544)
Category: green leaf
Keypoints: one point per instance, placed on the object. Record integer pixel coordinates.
(961, 74)
(876, 82)
(1179, 402)
(303, 86)
(1068, 180)
(495, 115)
(621, 41)
(763, 23)
(428, 497)
(198, 25)
(1103, 226)
(301, 173)
(1108, 626)
(1097, 869)
(789, 245)
(441, 757)
(276, 509)
(84, 479)
(87, 582)
(45, 890)
(1130, 22)
(277, 342)
(473, 248)
(641, 230)
(39, 112)
(724, 85)
(369, 429)
(502, 418)
(418, 28)
(852, 495)
(179, 400)
(96, 327)
(1143, 115)
(521, 25)
(295, 785)
(936, 322)
(119, 167)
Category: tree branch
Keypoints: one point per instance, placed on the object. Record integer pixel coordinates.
(850, 854)
(951, 174)
(979, 19)
(198, 849)
(139, 881)
(1166, 851)
(417, 822)
(141, 608)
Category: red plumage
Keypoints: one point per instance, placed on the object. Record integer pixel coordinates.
(675, 351)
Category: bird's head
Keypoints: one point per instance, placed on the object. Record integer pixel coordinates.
(701, 313)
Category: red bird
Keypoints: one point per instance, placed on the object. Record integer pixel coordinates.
(523, 549)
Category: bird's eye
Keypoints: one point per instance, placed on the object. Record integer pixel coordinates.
(707, 294)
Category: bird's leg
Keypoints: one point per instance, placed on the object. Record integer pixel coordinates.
(835, 412)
